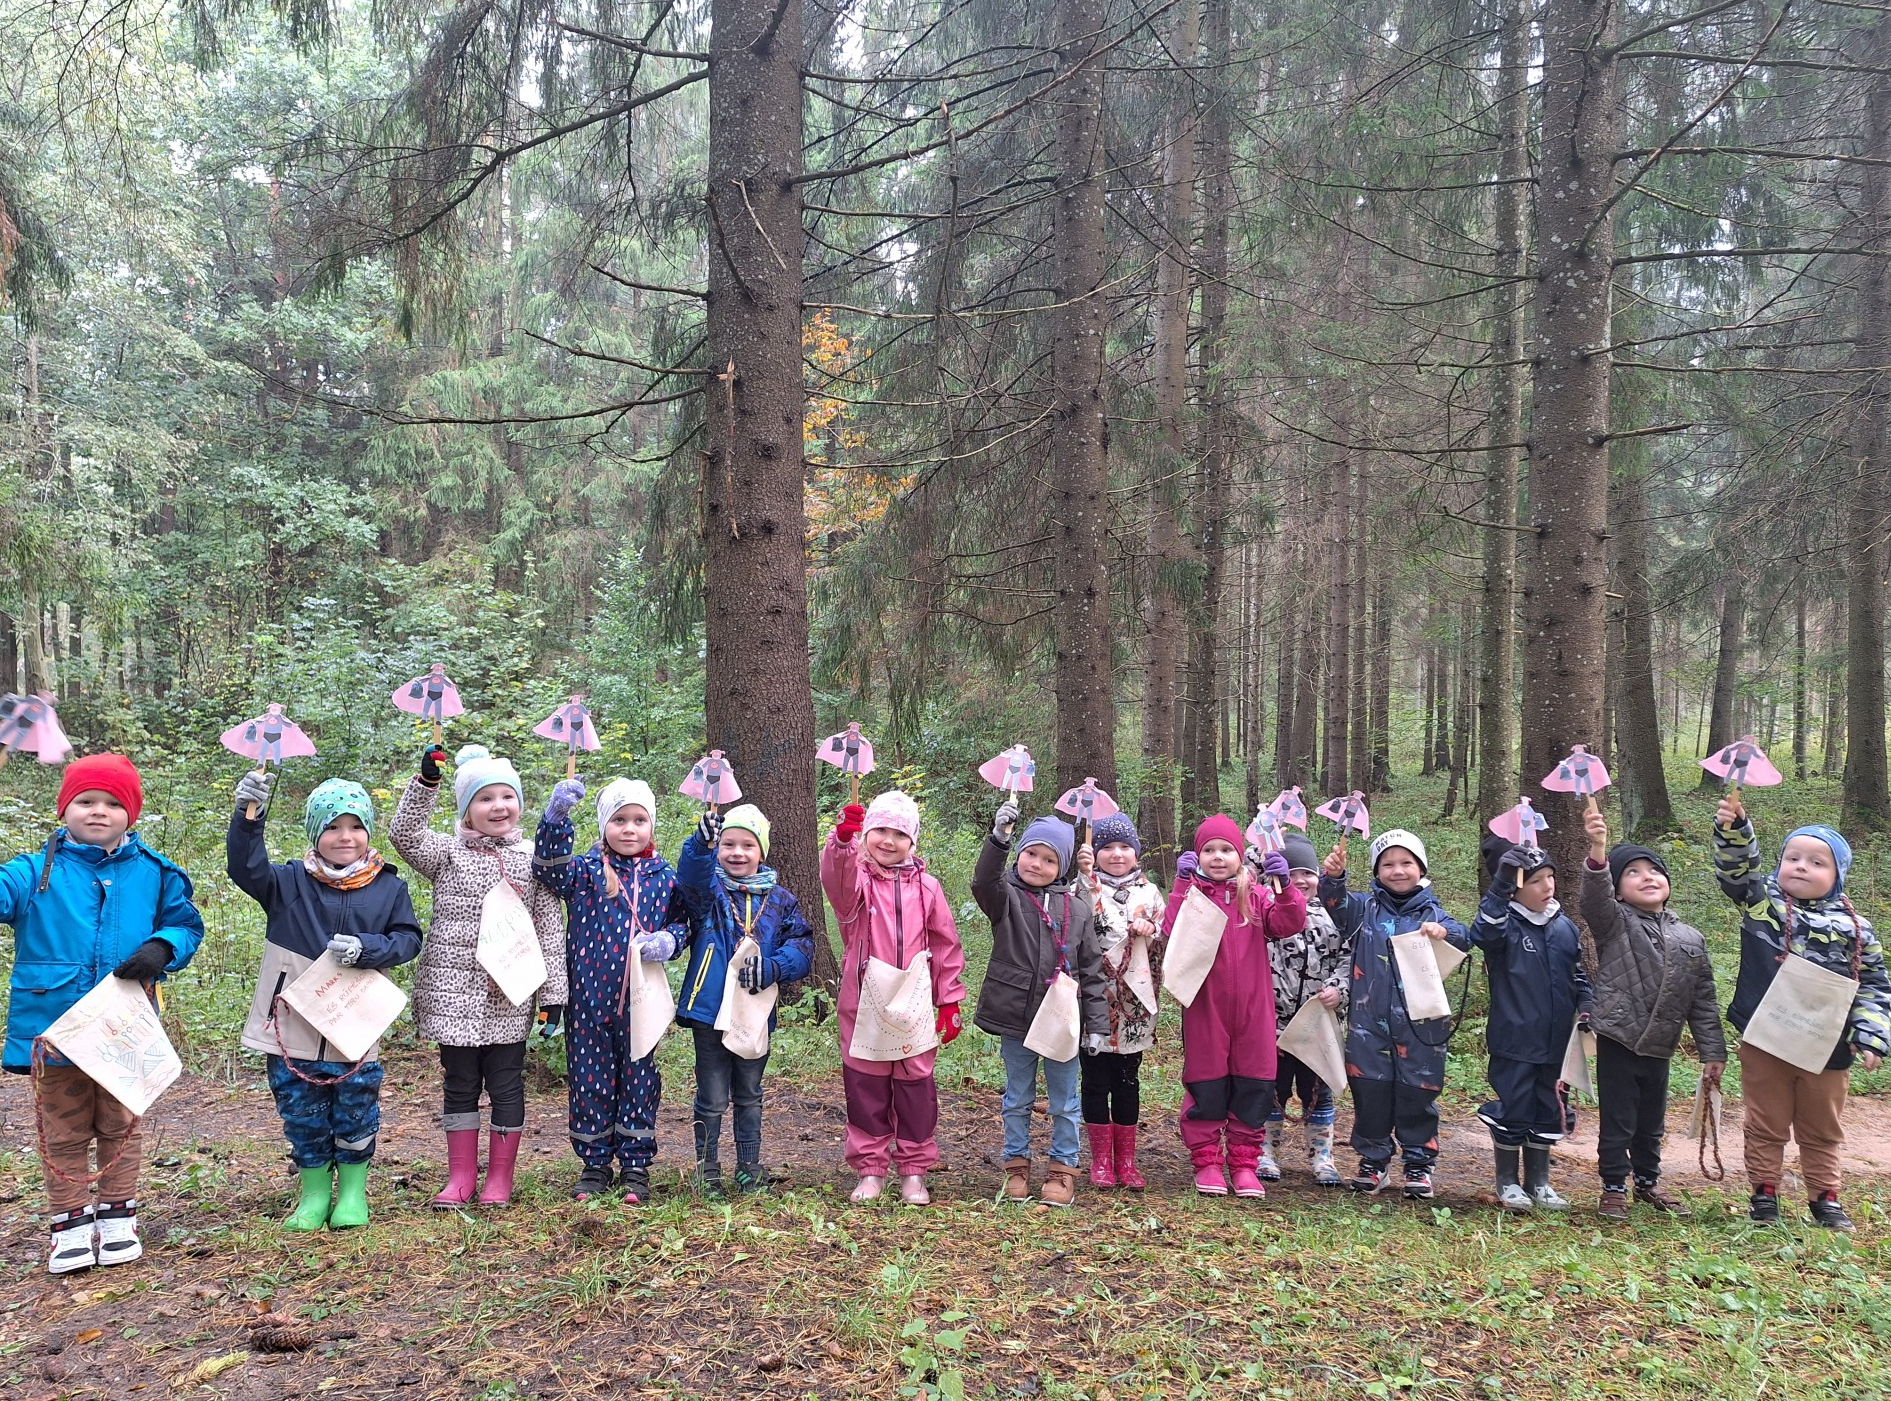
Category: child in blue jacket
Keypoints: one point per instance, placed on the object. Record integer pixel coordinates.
(344, 899)
(1395, 1066)
(1533, 956)
(618, 893)
(96, 903)
(731, 894)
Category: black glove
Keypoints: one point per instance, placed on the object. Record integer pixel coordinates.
(430, 760)
(550, 1020)
(709, 827)
(757, 973)
(1509, 872)
(148, 960)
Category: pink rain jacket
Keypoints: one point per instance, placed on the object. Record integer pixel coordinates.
(890, 915)
(1230, 1029)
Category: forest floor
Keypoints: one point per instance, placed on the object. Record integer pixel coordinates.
(796, 1293)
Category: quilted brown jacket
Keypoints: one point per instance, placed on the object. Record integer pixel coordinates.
(1654, 976)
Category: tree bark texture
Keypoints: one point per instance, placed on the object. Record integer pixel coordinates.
(1086, 714)
(1497, 653)
(1641, 783)
(1731, 641)
(757, 692)
(1566, 551)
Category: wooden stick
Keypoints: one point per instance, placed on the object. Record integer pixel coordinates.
(571, 763)
(854, 791)
(436, 734)
(1589, 802)
(250, 809)
(5, 754)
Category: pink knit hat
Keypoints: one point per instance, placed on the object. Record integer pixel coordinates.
(1226, 828)
(896, 810)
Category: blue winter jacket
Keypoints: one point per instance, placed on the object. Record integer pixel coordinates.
(95, 909)
(1537, 985)
(598, 929)
(1382, 1043)
(721, 918)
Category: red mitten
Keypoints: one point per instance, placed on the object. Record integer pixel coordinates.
(949, 1024)
(851, 817)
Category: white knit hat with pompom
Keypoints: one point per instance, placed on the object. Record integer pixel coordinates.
(476, 767)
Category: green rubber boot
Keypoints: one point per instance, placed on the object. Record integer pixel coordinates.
(351, 1197)
(311, 1213)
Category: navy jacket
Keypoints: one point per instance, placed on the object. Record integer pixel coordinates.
(1382, 1043)
(1537, 985)
(303, 914)
(721, 918)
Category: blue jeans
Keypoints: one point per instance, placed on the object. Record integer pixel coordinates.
(1060, 1088)
(722, 1076)
(327, 1123)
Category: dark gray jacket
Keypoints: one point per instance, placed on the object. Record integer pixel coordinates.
(1024, 948)
(1654, 976)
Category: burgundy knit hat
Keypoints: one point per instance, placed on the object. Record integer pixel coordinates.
(108, 773)
(1218, 827)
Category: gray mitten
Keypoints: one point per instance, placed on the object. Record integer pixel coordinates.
(1004, 820)
(346, 948)
(254, 788)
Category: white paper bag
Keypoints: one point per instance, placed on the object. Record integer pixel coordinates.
(113, 1034)
(1138, 973)
(509, 950)
(1575, 1072)
(1056, 1030)
(1194, 940)
(743, 1017)
(352, 1007)
(895, 1018)
(1803, 1014)
(1424, 963)
(649, 1004)
(1313, 1038)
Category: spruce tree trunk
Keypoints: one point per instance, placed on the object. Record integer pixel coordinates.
(1867, 795)
(1799, 680)
(1381, 752)
(1497, 651)
(1338, 667)
(1086, 712)
(758, 700)
(1202, 782)
(1566, 560)
(1721, 728)
(1162, 615)
(1640, 781)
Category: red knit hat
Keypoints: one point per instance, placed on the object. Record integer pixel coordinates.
(1218, 826)
(108, 773)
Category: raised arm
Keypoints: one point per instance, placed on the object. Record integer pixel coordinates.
(841, 878)
(988, 878)
(1737, 862)
(246, 858)
(426, 850)
(552, 866)
(1347, 910)
(1596, 899)
(1286, 913)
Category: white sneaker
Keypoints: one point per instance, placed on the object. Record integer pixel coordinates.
(72, 1247)
(118, 1242)
(868, 1189)
(1514, 1198)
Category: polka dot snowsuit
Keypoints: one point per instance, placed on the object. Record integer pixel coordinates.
(614, 1097)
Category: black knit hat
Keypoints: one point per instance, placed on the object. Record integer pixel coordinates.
(1300, 853)
(1621, 856)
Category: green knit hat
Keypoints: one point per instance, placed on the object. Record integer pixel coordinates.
(333, 798)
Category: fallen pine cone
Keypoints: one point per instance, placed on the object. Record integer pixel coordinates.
(293, 1338)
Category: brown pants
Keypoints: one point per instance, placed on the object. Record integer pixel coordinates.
(1782, 1102)
(76, 1111)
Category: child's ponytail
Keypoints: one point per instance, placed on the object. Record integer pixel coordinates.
(613, 887)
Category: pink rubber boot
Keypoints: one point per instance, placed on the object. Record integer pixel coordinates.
(1126, 1171)
(462, 1169)
(502, 1156)
(1102, 1155)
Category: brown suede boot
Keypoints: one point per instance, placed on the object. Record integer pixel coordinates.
(1614, 1204)
(1651, 1193)
(1017, 1180)
(1060, 1185)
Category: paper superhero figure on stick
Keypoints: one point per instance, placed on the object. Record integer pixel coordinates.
(1742, 765)
(1520, 825)
(849, 751)
(1267, 832)
(1349, 811)
(711, 780)
(1013, 771)
(1290, 808)
(269, 738)
(571, 726)
(431, 697)
(1087, 803)
(29, 725)
(1581, 773)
